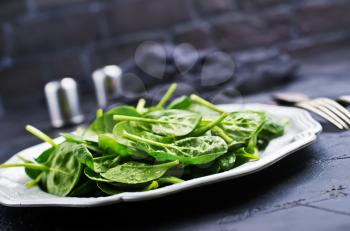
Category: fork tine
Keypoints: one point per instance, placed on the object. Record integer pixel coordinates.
(338, 106)
(314, 109)
(328, 103)
(331, 111)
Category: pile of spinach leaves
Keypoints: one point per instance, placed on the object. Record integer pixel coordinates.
(129, 149)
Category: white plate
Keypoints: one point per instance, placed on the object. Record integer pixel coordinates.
(301, 131)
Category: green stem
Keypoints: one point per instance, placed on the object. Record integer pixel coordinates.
(24, 159)
(140, 108)
(209, 126)
(220, 132)
(170, 180)
(142, 119)
(167, 164)
(167, 95)
(35, 181)
(104, 157)
(250, 156)
(151, 186)
(144, 140)
(99, 113)
(206, 120)
(243, 152)
(27, 165)
(39, 167)
(203, 102)
(36, 132)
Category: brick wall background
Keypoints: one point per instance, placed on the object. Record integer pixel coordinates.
(42, 40)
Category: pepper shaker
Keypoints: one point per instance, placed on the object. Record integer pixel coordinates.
(63, 102)
(106, 82)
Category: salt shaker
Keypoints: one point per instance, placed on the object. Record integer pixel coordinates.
(106, 82)
(63, 102)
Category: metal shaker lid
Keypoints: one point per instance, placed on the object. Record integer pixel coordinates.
(106, 82)
(63, 102)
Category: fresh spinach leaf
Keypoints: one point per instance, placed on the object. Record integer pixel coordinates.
(109, 189)
(227, 161)
(85, 189)
(183, 102)
(66, 170)
(136, 172)
(192, 150)
(243, 125)
(170, 122)
(94, 176)
(102, 164)
(105, 123)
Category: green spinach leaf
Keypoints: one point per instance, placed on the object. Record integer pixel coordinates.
(192, 150)
(66, 170)
(136, 172)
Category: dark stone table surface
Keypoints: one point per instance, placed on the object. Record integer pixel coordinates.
(308, 190)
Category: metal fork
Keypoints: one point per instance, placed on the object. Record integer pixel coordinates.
(327, 108)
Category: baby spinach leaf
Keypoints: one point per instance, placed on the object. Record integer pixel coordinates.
(122, 110)
(183, 102)
(102, 164)
(87, 188)
(105, 123)
(110, 144)
(83, 155)
(45, 156)
(119, 130)
(61, 182)
(272, 129)
(94, 176)
(170, 122)
(192, 150)
(227, 161)
(136, 172)
(203, 111)
(91, 145)
(109, 189)
(179, 122)
(243, 125)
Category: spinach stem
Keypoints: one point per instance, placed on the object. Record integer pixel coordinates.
(167, 95)
(142, 119)
(220, 132)
(99, 113)
(23, 159)
(27, 165)
(144, 140)
(140, 108)
(151, 186)
(203, 102)
(249, 156)
(170, 180)
(36, 132)
(223, 122)
(209, 126)
(35, 181)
